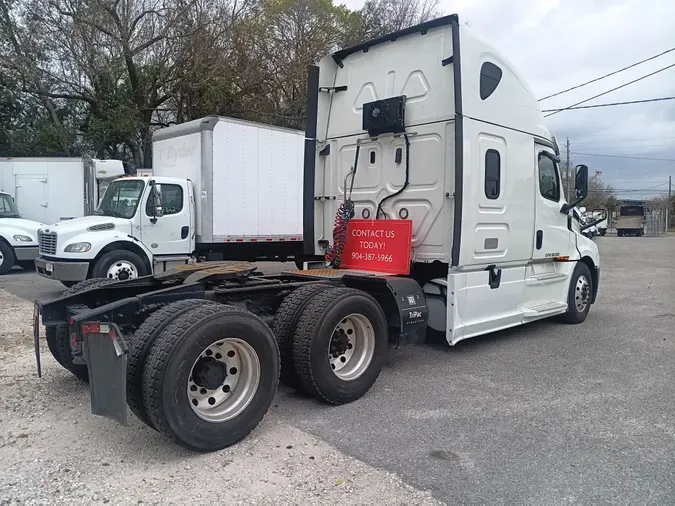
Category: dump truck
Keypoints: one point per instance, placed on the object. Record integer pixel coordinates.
(432, 194)
(631, 220)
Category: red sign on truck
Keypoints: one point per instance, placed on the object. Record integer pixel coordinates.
(378, 246)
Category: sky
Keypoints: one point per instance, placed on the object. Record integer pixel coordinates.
(556, 44)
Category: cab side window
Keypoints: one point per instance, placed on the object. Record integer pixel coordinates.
(172, 200)
(549, 183)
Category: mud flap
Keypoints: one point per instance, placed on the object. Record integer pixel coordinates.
(106, 355)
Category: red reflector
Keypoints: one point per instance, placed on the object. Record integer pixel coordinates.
(71, 321)
(239, 240)
(269, 239)
(294, 238)
(254, 240)
(92, 328)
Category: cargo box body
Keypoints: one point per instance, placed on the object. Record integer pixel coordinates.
(49, 190)
(247, 177)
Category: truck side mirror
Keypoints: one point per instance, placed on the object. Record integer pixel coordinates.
(156, 201)
(581, 182)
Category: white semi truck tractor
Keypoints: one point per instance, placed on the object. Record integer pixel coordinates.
(432, 192)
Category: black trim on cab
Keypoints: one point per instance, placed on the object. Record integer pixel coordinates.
(309, 173)
(459, 144)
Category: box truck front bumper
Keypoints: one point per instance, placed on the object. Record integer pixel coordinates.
(61, 271)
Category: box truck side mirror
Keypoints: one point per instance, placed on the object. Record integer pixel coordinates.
(155, 201)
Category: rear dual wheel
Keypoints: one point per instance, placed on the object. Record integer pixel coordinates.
(340, 344)
(210, 376)
(59, 341)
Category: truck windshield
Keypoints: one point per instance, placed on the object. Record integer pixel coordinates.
(8, 208)
(121, 198)
(632, 211)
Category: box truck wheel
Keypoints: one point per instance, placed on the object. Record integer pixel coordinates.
(285, 324)
(211, 376)
(119, 264)
(7, 257)
(340, 344)
(58, 336)
(139, 347)
(579, 295)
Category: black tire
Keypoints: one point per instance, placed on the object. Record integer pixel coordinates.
(312, 339)
(6, 257)
(169, 365)
(285, 324)
(58, 336)
(69, 284)
(104, 263)
(140, 345)
(603, 233)
(619, 233)
(573, 315)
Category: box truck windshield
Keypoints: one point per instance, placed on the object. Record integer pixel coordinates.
(121, 198)
(8, 208)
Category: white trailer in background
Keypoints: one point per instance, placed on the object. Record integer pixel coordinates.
(220, 188)
(49, 190)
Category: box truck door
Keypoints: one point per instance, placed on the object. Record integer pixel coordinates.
(31, 197)
(552, 238)
(169, 233)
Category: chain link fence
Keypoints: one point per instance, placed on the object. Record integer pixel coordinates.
(655, 223)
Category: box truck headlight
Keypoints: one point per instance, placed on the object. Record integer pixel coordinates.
(78, 247)
(22, 238)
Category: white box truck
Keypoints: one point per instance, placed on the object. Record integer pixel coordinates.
(435, 143)
(49, 190)
(220, 188)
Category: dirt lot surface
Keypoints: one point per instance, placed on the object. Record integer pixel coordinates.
(53, 450)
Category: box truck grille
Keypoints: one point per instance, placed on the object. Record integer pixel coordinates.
(47, 243)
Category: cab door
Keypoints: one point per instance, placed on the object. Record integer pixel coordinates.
(171, 233)
(552, 238)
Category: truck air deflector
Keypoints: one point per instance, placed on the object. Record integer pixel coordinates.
(459, 143)
(309, 167)
(422, 28)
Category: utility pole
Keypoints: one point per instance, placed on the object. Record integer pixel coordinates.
(569, 170)
(669, 203)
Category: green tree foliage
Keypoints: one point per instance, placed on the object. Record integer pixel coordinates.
(98, 76)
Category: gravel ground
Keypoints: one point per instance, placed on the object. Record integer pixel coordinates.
(54, 451)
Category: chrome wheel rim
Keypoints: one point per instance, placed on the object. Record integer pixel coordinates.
(582, 293)
(351, 347)
(223, 380)
(122, 270)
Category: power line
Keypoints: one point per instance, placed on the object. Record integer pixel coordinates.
(606, 75)
(613, 89)
(643, 139)
(610, 104)
(630, 157)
